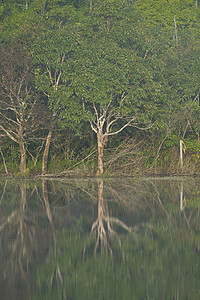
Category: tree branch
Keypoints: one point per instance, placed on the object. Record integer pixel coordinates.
(93, 128)
(8, 134)
(126, 125)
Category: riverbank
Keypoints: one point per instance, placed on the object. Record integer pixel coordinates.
(167, 164)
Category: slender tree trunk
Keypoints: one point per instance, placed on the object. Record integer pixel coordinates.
(175, 29)
(100, 153)
(46, 153)
(23, 158)
(181, 153)
(4, 162)
(22, 151)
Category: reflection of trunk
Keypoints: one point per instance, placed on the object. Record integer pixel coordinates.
(47, 206)
(46, 153)
(182, 199)
(100, 206)
(22, 151)
(22, 207)
(107, 232)
(46, 200)
(100, 143)
(101, 233)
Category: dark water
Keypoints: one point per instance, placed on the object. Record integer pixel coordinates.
(94, 239)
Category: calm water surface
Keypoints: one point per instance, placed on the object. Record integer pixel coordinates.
(95, 239)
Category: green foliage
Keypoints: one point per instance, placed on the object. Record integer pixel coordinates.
(161, 13)
(173, 140)
(87, 55)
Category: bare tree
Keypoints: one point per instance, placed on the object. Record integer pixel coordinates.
(20, 111)
(105, 119)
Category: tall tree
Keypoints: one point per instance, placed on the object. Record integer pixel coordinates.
(99, 69)
(52, 52)
(112, 74)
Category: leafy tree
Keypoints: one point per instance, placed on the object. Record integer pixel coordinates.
(52, 52)
(161, 13)
(113, 73)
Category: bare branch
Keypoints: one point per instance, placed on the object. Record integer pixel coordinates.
(96, 112)
(109, 104)
(93, 128)
(126, 125)
(145, 54)
(110, 124)
(8, 134)
(50, 76)
(83, 103)
(21, 84)
(31, 109)
(8, 119)
(122, 97)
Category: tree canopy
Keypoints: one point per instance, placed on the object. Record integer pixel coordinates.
(111, 66)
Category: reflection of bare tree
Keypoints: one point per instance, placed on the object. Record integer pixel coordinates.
(17, 261)
(23, 241)
(104, 223)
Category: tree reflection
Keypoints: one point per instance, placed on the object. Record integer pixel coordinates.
(22, 239)
(47, 207)
(182, 198)
(140, 234)
(131, 268)
(103, 226)
(16, 264)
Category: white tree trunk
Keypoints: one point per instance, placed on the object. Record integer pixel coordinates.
(181, 153)
(100, 144)
(46, 153)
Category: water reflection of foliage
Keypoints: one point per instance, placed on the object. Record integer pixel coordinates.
(156, 258)
(161, 263)
(148, 268)
(22, 240)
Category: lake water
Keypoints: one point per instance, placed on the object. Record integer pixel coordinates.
(100, 240)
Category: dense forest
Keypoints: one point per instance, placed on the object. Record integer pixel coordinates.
(99, 87)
